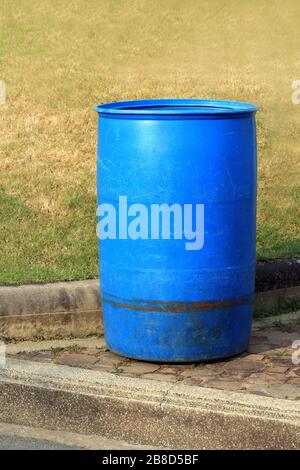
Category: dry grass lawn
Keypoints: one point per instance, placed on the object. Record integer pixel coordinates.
(59, 58)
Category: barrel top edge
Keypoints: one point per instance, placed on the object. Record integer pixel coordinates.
(175, 107)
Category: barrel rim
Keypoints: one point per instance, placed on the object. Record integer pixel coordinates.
(190, 106)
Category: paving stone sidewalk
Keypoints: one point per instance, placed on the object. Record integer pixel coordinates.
(268, 368)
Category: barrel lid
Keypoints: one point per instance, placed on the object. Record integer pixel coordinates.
(176, 107)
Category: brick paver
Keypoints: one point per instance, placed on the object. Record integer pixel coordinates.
(76, 359)
(265, 369)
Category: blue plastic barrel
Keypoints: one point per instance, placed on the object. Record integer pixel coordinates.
(177, 221)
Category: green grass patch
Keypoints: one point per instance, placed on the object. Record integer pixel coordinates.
(59, 59)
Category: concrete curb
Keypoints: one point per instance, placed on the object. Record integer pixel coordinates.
(60, 309)
(277, 274)
(50, 310)
(276, 299)
(144, 411)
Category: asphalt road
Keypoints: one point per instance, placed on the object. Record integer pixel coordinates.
(17, 437)
(8, 442)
